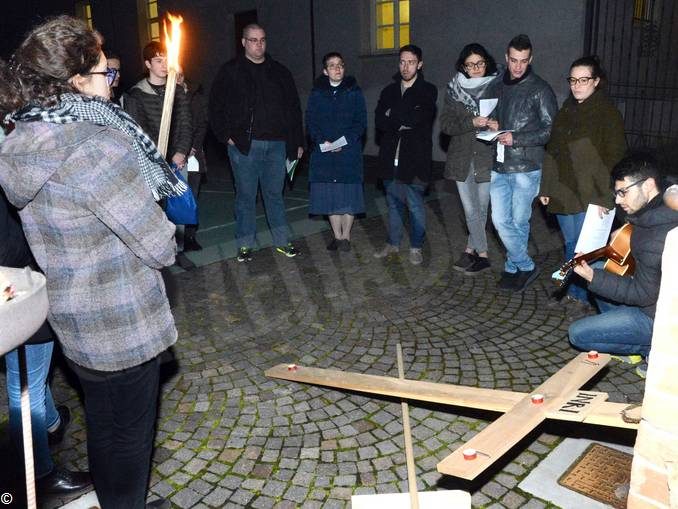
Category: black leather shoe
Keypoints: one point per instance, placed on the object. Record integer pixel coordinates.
(55, 437)
(190, 244)
(63, 482)
(159, 503)
(184, 262)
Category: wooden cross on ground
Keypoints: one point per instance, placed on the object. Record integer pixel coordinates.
(558, 397)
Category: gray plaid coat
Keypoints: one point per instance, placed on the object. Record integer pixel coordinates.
(99, 237)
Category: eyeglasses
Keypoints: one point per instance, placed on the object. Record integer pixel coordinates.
(480, 64)
(336, 66)
(621, 193)
(584, 80)
(253, 40)
(109, 73)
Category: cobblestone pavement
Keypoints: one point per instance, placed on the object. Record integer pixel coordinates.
(230, 437)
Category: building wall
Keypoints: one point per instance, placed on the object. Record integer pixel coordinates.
(440, 27)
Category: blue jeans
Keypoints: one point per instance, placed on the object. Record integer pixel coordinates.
(43, 412)
(618, 329)
(475, 197)
(397, 195)
(264, 166)
(512, 195)
(570, 227)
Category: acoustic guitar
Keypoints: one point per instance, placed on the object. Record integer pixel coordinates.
(618, 254)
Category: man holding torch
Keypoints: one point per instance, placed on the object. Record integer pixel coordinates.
(255, 110)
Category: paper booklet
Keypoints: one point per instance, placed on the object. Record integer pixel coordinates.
(486, 106)
(596, 230)
(488, 135)
(290, 166)
(338, 143)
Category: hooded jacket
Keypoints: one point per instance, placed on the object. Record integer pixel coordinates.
(405, 120)
(334, 112)
(98, 236)
(526, 107)
(650, 226)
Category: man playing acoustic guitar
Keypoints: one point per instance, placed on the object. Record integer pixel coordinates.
(627, 303)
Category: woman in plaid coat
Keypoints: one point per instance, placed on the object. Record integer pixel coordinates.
(85, 179)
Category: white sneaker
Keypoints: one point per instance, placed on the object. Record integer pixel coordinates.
(386, 250)
(415, 256)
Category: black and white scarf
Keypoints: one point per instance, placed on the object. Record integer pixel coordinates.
(79, 108)
(468, 90)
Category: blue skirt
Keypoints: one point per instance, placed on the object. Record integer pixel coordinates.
(330, 198)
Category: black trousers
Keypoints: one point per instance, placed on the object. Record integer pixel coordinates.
(194, 182)
(120, 410)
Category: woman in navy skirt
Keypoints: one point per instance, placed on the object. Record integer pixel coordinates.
(336, 114)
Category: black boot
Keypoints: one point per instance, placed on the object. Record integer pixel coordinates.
(55, 437)
(190, 244)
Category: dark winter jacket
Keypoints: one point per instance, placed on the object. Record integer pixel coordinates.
(334, 112)
(233, 100)
(406, 119)
(14, 252)
(200, 123)
(587, 140)
(650, 226)
(144, 103)
(464, 148)
(527, 108)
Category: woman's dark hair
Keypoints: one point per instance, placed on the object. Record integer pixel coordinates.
(40, 68)
(476, 49)
(592, 62)
(331, 54)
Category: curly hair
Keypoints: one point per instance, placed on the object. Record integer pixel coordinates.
(476, 49)
(40, 69)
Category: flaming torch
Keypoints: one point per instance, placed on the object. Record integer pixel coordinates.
(172, 44)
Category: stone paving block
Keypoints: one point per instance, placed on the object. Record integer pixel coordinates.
(494, 490)
(273, 488)
(262, 502)
(200, 486)
(186, 498)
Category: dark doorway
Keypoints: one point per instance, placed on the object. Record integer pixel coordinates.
(240, 21)
(636, 41)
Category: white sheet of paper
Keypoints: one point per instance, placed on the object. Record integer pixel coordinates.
(192, 164)
(595, 231)
(500, 153)
(338, 143)
(487, 106)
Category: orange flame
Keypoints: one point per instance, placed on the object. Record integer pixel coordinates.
(173, 40)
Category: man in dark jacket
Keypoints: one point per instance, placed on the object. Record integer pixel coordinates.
(525, 109)
(255, 110)
(404, 116)
(628, 304)
(144, 102)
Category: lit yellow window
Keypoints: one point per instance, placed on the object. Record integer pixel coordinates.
(392, 24)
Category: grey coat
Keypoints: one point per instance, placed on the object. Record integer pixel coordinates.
(99, 237)
(464, 148)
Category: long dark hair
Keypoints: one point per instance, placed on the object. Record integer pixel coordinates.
(476, 49)
(40, 69)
